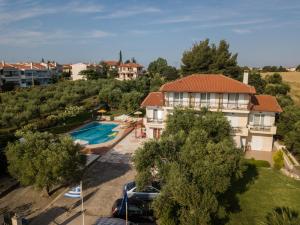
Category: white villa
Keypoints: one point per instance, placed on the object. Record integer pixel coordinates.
(76, 68)
(129, 71)
(251, 116)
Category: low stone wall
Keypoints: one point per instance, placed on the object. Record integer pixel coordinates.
(291, 165)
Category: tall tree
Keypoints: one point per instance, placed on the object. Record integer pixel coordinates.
(120, 57)
(160, 66)
(44, 160)
(206, 58)
(258, 82)
(196, 161)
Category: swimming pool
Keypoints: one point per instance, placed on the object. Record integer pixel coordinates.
(95, 133)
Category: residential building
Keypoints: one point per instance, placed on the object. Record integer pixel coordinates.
(112, 64)
(78, 67)
(25, 74)
(67, 68)
(129, 71)
(252, 117)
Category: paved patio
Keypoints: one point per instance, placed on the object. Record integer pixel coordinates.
(260, 155)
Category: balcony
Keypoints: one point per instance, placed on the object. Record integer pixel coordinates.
(262, 129)
(206, 104)
(242, 131)
(154, 120)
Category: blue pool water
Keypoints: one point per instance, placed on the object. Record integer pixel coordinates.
(95, 133)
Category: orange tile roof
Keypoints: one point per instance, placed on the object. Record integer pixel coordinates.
(111, 63)
(153, 99)
(207, 83)
(130, 65)
(264, 103)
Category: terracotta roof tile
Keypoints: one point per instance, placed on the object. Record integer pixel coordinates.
(153, 99)
(264, 103)
(111, 63)
(208, 83)
(130, 65)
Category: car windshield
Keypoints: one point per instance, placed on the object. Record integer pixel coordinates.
(130, 186)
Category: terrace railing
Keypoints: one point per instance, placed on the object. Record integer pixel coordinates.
(154, 120)
(206, 104)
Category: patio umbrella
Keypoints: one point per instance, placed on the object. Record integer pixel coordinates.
(138, 113)
(101, 111)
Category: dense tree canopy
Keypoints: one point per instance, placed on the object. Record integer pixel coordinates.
(298, 68)
(160, 66)
(44, 160)
(206, 58)
(274, 69)
(196, 161)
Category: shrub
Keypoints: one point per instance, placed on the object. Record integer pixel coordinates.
(282, 216)
(258, 163)
(278, 160)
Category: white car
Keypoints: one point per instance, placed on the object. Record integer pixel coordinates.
(148, 193)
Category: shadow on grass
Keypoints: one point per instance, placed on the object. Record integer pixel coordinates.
(229, 200)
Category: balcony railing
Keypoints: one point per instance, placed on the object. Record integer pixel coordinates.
(260, 128)
(206, 104)
(154, 120)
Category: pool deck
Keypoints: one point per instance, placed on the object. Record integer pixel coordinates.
(101, 148)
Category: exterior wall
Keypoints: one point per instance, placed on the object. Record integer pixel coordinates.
(76, 69)
(265, 143)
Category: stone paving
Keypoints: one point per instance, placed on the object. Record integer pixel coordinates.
(102, 185)
(123, 151)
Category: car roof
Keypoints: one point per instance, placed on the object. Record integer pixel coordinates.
(111, 221)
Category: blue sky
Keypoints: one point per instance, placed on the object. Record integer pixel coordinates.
(262, 32)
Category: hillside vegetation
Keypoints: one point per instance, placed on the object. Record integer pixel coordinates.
(293, 79)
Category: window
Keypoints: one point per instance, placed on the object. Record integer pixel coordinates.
(257, 119)
(204, 99)
(155, 114)
(178, 98)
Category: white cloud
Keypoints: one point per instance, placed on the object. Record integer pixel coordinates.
(31, 9)
(242, 31)
(128, 12)
(35, 38)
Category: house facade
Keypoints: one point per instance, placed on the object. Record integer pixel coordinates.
(252, 117)
(129, 71)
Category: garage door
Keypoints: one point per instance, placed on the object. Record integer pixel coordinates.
(257, 143)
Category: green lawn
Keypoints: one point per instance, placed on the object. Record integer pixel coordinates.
(261, 190)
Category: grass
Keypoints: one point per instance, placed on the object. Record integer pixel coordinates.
(261, 190)
(293, 79)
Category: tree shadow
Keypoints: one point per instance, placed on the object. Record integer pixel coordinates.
(229, 200)
(48, 216)
(102, 172)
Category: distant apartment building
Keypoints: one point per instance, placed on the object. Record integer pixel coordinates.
(27, 74)
(78, 67)
(129, 71)
(112, 64)
(252, 117)
(126, 71)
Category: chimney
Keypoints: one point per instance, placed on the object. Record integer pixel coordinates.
(246, 77)
(3, 63)
(31, 65)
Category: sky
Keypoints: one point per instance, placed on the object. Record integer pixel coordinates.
(262, 32)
